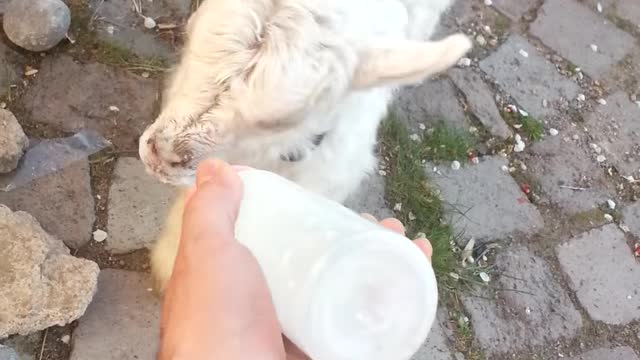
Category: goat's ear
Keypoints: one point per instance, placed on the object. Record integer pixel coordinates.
(408, 62)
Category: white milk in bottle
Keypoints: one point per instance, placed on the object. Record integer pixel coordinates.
(344, 288)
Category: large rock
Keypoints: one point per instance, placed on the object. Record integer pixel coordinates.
(54, 185)
(36, 25)
(122, 322)
(13, 141)
(138, 204)
(41, 285)
(72, 97)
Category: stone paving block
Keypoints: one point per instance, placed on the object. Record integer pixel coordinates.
(138, 204)
(481, 101)
(484, 202)
(534, 310)
(117, 23)
(428, 103)
(514, 9)
(436, 347)
(628, 10)
(617, 128)
(370, 198)
(580, 28)
(619, 353)
(558, 161)
(631, 218)
(591, 261)
(53, 184)
(10, 63)
(122, 322)
(531, 79)
(71, 96)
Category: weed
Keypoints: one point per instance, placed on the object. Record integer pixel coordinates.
(445, 143)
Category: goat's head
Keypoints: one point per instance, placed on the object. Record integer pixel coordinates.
(262, 66)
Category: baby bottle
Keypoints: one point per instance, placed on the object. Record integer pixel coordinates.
(344, 288)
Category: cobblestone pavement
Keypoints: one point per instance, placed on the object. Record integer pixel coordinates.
(561, 215)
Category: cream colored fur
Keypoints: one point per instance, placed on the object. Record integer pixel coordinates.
(258, 79)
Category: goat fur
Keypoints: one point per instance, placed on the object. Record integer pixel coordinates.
(260, 78)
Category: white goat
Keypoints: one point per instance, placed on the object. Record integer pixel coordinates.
(297, 87)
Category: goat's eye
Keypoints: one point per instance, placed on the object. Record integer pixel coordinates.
(175, 164)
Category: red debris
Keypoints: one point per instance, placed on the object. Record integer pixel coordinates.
(525, 188)
(636, 250)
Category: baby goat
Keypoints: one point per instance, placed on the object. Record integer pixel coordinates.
(296, 87)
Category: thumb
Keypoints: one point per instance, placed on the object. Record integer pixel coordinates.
(211, 211)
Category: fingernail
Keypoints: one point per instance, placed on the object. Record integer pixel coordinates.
(207, 170)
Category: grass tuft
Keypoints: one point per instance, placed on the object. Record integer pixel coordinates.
(444, 143)
(406, 183)
(532, 128)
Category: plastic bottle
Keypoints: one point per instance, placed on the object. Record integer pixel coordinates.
(344, 288)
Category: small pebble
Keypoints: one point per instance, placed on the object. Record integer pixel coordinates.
(149, 23)
(608, 217)
(581, 97)
(111, 29)
(455, 165)
(382, 173)
(422, 126)
(599, 7)
(484, 276)
(527, 310)
(145, 75)
(464, 62)
(575, 137)
(505, 168)
(99, 235)
(30, 71)
(488, 2)
(414, 137)
(65, 339)
(545, 103)
(398, 207)
(412, 217)
(481, 40)
(594, 47)
(454, 276)
(601, 158)
(523, 53)
(602, 101)
(114, 108)
(553, 132)
(611, 204)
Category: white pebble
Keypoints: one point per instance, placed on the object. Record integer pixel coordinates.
(414, 137)
(594, 47)
(505, 168)
(422, 126)
(519, 147)
(65, 339)
(599, 7)
(527, 310)
(553, 132)
(464, 62)
(601, 158)
(99, 235)
(114, 108)
(382, 173)
(454, 276)
(602, 101)
(608, 217)
(149, 23)
(523, 53)
(411, 216)
(481, 40)
(488, 2)
(484, 276)
(455, 165)
(611, 204)
(581, 97)
(111, 29)
(398, 207)
(523, 113)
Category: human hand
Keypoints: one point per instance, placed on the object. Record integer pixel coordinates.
(217, 304)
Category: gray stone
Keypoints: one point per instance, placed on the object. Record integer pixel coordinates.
(617, 129)
(580, 28)
(36, 25)
(41, 285)
(370, 198)
(481, 101)
(530, 80)
(430, 102)
(122, 322)
(631, 218)
(53, 184)
(629, 10)
(556, 164)
(461, 12)
(7, 353)
(117, 23)
(10, 63)
(23, 347)
(619, 353)
(436, 347)
(533, 310)
(13, 141)
(138, 204)
(591, 260)
(484, 202)
(514, 9)
(73, 97)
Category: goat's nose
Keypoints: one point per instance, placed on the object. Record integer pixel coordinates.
(151, 145)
